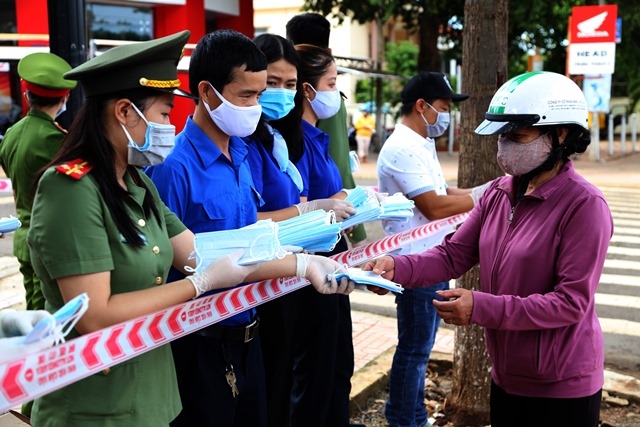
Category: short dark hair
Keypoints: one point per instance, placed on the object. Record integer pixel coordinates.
(309, 28)
(217, 56)
(42, 101)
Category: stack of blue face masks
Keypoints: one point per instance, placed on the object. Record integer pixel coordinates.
(368, 208)
(397, 207)
(367, 211)
(364, 278)
(315, 231)
(259, 241)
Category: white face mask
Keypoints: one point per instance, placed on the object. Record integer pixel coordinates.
(159, 140)
(326, 103)
(232, 119)
(440, 126)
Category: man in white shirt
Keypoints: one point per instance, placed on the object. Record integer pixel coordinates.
(408, 164)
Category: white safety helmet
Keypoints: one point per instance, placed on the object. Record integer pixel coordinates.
(537, 98)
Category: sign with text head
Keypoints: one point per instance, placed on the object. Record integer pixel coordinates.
(592, 58)
(592, 48)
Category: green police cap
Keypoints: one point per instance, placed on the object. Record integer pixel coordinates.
(152, 64)
(42, 73)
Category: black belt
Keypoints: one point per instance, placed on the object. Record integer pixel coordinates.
(231, 333)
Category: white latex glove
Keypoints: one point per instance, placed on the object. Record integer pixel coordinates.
(342, 208)
(12, 348)
(380, 197)
(19, 323)
(477, 192)
(316, 268)
(222, 273)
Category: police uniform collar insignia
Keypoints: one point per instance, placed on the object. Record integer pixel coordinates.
(75, 169)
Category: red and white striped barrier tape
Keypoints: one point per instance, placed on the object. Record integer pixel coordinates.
(42, 372)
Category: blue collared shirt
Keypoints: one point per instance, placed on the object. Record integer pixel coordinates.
(206, 190)
(276, 187)
(319, 173)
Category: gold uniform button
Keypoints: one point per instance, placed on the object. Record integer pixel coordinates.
(106, 371)
(156, 250)
(141, 222)
(158, 280)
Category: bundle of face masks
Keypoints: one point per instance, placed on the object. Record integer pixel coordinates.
(397, 207)
(259, 241)
(9, 224)
(315, 231)
(364, 278)
(369, 208)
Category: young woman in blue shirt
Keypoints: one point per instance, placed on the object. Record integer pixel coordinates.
(323, 353)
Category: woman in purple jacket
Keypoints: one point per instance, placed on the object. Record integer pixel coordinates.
(541, 236)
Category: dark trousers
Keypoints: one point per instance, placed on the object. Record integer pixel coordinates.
(201, 364)
(324, 359)
(508, 410)
(277, 318)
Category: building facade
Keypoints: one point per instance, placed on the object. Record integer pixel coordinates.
(24, 28)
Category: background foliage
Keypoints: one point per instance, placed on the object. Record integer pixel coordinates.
(531, 24)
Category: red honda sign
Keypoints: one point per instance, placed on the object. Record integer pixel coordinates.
(594, 24)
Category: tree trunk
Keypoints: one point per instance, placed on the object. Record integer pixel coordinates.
(429, 55)
(484, 70)
(381, 45)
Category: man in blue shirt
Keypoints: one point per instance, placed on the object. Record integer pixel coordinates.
(206, 181)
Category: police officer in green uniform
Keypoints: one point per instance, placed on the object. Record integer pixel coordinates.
(30, 144)
(99, 226)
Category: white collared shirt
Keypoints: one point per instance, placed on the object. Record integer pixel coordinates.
(408, 163)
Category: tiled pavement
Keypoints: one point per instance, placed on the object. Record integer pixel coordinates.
(374, 334)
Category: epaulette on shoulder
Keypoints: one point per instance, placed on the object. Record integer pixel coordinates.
(60, 128)
(75, 169)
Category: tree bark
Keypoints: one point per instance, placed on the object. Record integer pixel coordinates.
(484, 70)
(429, 55)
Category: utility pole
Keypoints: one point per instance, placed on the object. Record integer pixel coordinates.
(68, 39)
(594, 149)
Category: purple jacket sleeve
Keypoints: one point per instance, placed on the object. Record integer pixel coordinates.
(450, 260)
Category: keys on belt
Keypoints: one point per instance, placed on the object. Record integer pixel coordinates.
(232, 333)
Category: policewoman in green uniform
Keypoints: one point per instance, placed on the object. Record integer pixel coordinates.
(99, 226)
(29, 145)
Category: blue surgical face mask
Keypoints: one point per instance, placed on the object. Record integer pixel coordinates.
(326, 103)
(440, 126)
(277, 102)
(259, 241)
(62, 322)
(159, 140)
(315, 231)
(280, 152)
